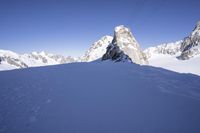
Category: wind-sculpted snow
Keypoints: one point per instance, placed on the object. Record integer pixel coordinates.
(97, 97)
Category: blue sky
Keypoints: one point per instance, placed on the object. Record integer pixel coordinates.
(69, 27)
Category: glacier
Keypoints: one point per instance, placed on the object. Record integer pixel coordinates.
(181, 56)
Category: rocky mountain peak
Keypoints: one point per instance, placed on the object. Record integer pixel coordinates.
(196, 30)
(97, 50)
(121, 27)
(164, 49)
(191, 44)
(123, 36)
(124, 47)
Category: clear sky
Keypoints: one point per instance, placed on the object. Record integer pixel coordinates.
(69, 27)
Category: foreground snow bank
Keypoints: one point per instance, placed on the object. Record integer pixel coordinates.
(99, 98)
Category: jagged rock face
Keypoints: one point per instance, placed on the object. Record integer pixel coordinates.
(191, 44)
(166, 49)
(114, 53)
(124, 47)
(13, 62)
(97, 50)
(12, 59)
(46, 57)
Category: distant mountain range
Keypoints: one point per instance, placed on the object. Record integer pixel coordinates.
(181, 56)
(12, 60)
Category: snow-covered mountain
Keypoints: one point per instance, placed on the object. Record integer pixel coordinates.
(12, 60)
(97, 50)
(98, 97)
(165, 49)
(185, 49)
(123, 39)
(102, 96)
(191, 44)
(182, 56)
(124, 48)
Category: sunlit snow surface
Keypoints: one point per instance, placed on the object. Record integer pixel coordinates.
(99, 98)
(5, 66)
(172, 63)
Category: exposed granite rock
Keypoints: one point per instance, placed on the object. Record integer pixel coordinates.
(124, 47)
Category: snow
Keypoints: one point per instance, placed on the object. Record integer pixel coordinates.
(11, 60)
(125, 45)
(99, 97)
(196, 31)
(166, 48)
(98, 49)
(121, 27)
(172, 63)
(118, 28)
(32, 62)
(165, 56)
(5, 66)
(8, 53)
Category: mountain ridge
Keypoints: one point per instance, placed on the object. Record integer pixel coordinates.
(185, 52)
(182, 56)
(14, 60)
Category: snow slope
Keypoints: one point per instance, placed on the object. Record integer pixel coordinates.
(182, 56)
(5, 66)
(165, 49)
(172, 63)
(99, 98)
(167, 56)
(97, 50)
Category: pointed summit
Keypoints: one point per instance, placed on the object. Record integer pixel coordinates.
(196, 30)
(124, 47)
(120, 27)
